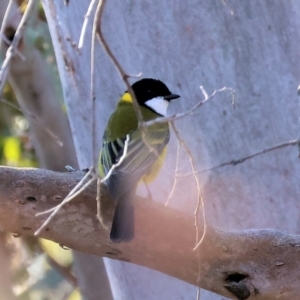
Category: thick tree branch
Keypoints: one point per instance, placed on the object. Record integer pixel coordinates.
(253, 264)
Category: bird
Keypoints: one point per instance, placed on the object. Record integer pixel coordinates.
(145, 150)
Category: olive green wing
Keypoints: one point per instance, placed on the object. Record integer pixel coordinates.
(137, 161)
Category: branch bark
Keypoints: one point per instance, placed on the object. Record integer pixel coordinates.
(260, 264)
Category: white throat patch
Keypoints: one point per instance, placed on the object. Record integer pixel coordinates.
(159, 105)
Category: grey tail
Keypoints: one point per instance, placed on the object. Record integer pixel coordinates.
(122, 229)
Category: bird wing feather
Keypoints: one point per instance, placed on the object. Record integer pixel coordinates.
(137, 161)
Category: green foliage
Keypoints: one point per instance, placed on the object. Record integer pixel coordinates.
(15, 142)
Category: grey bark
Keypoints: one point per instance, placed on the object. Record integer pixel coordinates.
(244, 264)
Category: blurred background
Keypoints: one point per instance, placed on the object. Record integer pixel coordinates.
(31, 268)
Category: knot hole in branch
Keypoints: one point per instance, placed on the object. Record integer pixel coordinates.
(235, 284)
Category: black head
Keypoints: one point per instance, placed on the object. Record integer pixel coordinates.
(148, 88)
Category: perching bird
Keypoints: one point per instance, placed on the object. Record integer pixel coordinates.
(142, 159)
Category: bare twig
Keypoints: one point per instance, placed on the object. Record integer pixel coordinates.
(98, 199)
(190, 111)
(4, 22)
(243, 159)
(203, 91)
(298, 94)
(64, 271)
(13, 49)
(85, 23)
(175, 175)
(198, 293)
(14, 44)
(149, 194)
(200, 200)
(64, 202)
(93, 93)
(108, 175)
(72, 194)
(120, 161)
(226, 4)
(124, 76)
(8, 42)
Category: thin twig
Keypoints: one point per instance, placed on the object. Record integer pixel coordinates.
(15, 43)
(225, 4)
(98, 200)
(149, 194)
(4, 21)
(200, 200)
(8, 42)
(199, 276)
(72, 192)
(13, 49)
(298, 94)
(204, 92)
(108, 175)
(235, 162)
(124, 76)
(190, 111)
(64, 202)
(93, 93)
(67, 199)
(198, 293)
(120, 160)
(85, 23)
(64, 271)
(175, 175)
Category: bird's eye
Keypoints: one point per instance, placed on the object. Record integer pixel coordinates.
(150, 93)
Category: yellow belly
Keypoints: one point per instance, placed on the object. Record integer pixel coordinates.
(155, 168)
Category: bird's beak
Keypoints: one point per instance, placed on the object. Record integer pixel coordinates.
(171, 97)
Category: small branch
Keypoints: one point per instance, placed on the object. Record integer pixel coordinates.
(15, 43)
(77, 190)
(262, 263)
(120, 160)
(92, 90)
(243, 159)
(64, 271)
(226, 4)
(298, 96)
(190, 111)
(175, 174)
(4, 23)
(99, 182)
(8, 42)
(85, 23)
(73, 193)
(124, 76)
(200, 200)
